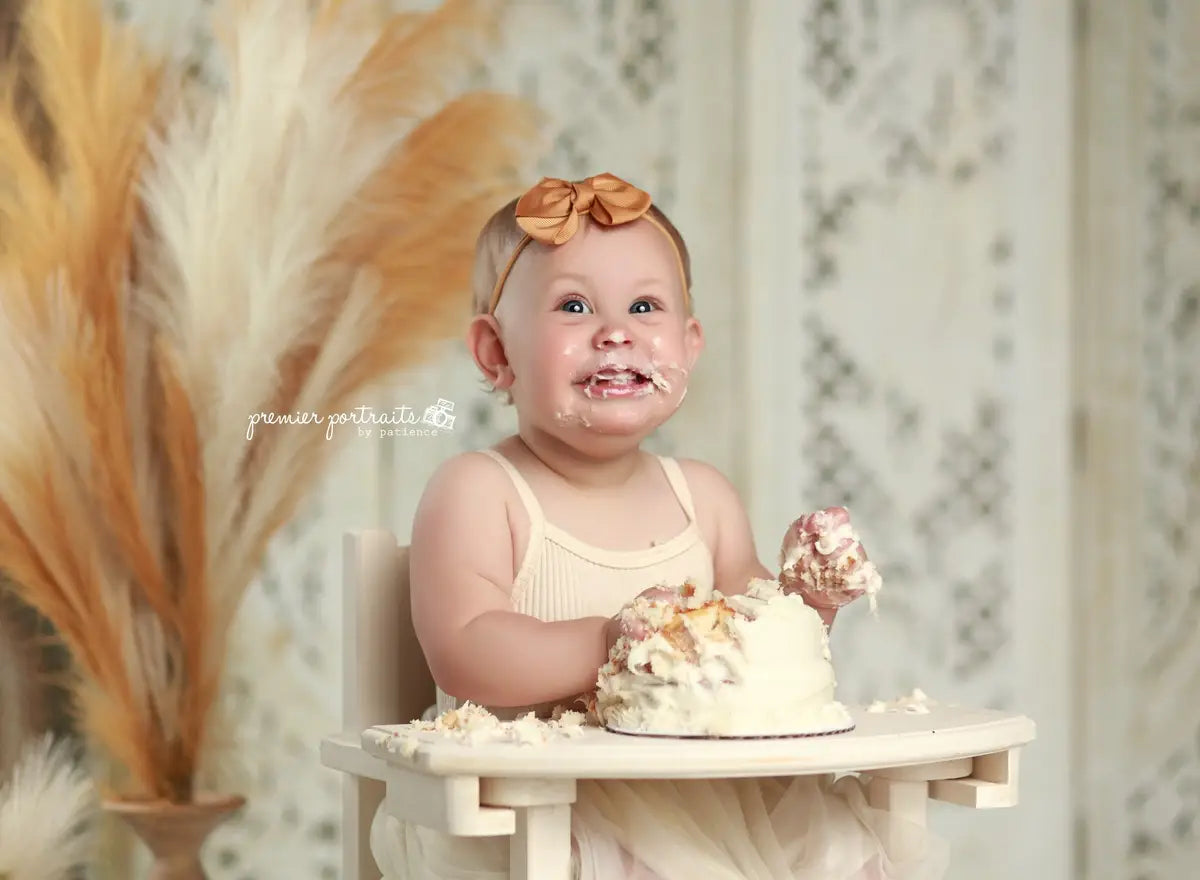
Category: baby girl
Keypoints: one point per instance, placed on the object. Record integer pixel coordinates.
(524, 554)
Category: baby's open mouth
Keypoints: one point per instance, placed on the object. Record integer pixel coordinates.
(617, 382)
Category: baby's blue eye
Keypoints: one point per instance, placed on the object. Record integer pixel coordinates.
(576, 306)
(641, 307)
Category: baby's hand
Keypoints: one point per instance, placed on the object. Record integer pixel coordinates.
(626, 624)
(671, 595)
(823, 560)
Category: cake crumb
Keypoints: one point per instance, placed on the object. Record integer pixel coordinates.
(916, 703)
(408, 744)
(471, 724)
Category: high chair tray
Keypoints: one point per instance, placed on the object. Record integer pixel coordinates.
(889, 739)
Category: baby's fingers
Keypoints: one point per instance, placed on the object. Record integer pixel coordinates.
(830, 598)
(661, 594)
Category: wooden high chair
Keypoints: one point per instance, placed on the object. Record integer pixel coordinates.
(960, 755)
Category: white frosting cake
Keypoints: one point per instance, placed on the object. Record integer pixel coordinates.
(748, 665)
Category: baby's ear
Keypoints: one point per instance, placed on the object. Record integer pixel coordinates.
(693, 340)
(487, 348)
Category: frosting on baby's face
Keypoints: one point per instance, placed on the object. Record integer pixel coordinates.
(597, 334)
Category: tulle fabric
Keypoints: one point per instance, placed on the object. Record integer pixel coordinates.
(787, 828)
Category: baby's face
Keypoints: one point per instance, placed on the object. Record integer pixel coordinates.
(597, 332)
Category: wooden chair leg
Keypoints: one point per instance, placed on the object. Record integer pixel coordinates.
(905, 799)
(541, 847)
(361, 798)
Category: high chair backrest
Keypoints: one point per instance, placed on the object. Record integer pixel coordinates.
(385, 677)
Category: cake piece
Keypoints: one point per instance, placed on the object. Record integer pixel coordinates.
(823, 558)
(750, 665)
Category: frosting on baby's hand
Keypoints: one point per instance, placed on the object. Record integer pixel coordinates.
(631, 620)
(823, 560)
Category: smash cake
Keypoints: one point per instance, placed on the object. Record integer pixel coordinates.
(756, 664)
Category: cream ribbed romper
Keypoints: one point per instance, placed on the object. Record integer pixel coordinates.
(563, 578)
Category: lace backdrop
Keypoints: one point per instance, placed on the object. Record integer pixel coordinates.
(877, 198)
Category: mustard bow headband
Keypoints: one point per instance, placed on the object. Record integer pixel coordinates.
(550, 213)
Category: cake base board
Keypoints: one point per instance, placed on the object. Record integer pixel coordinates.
(831, 730)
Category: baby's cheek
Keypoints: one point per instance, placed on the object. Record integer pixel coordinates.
(546, 364)
(556, 373)
(560, 352)
(669, 359)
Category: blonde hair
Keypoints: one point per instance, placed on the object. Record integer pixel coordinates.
(501, 235)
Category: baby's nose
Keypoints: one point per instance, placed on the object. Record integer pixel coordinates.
(612, 336)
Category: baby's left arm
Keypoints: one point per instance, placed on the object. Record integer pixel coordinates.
(726, 528)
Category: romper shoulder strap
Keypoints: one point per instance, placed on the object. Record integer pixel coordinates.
(536, 518)
(678, 485)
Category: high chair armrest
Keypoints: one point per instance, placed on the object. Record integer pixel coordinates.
(992, 783)
(345, 753)
(446, 803)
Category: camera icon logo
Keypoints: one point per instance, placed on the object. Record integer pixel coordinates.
(440, 415)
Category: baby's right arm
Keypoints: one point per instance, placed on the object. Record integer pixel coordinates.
(462, 569)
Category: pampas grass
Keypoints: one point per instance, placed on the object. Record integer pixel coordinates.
(45, 808)
(186, 259)
(21, 695)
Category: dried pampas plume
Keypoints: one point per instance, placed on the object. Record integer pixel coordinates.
(45, 812)
(183, 259)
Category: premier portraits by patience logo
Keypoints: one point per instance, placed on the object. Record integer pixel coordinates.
(400, 421)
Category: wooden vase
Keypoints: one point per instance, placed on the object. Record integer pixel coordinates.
(174, 833)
